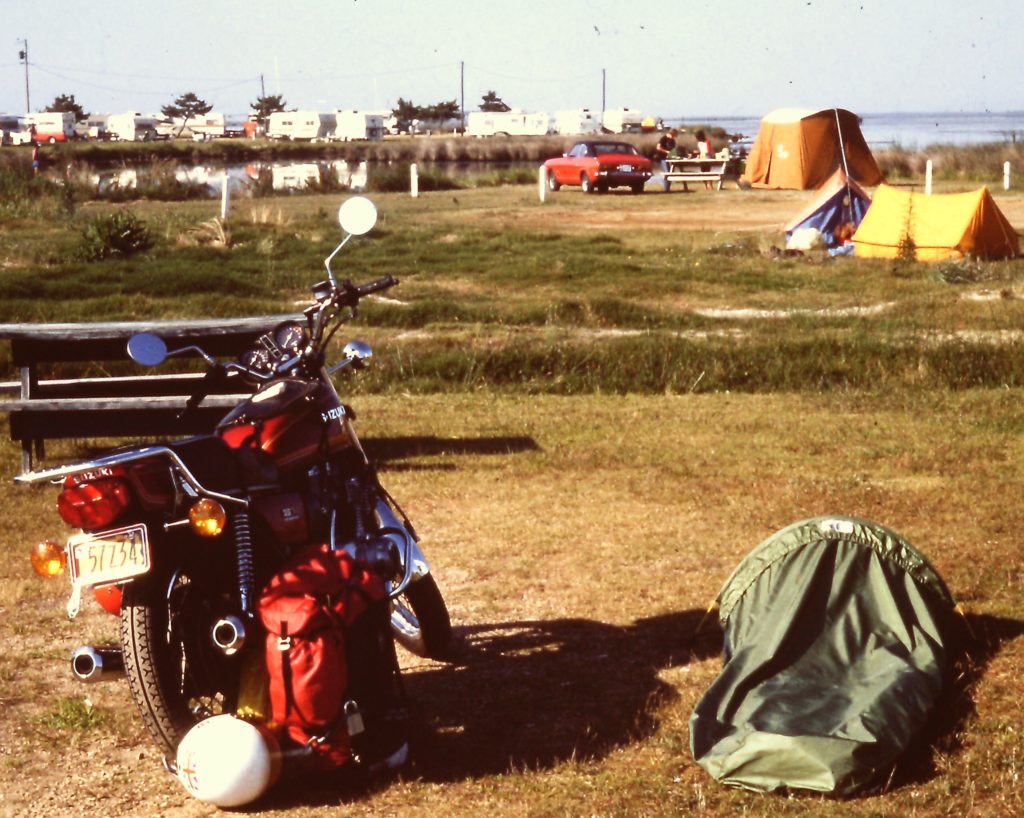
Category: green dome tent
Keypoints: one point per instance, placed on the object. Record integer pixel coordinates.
(839, 643)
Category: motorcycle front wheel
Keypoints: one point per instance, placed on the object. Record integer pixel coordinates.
(175, 673)
(420, 620)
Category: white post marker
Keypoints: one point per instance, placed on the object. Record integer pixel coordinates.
(928, 178)
(225, 197)
(414, 181)
(542, 184)
(1006, 175)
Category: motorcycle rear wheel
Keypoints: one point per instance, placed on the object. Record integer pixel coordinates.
(176, 675)
(420, 621)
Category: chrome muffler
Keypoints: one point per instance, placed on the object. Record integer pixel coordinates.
(93, 664)
(228, 635)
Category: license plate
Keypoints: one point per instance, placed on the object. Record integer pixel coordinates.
(109, 556)
(626, 168)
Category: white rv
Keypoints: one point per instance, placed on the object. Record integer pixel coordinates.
(202, 126)
(507, 123)
(623, 120)
(358, 125)
(132, 126)
(14, 130)
(52, 127)
(577, 121)
(297, 125)
(93, 126)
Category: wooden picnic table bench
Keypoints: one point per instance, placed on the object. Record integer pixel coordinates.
(710, 169)
(42, 408)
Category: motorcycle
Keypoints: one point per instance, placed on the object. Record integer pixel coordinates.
(178, 539)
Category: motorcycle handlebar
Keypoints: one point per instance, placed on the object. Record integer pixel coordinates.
(370, 287)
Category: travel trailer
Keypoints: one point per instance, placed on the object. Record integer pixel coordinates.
(58, 126)
(93, 126)
(132, 127)
(623, 120)
(577, 121)
(507, 123)
(14, 130)
(300, 125)
(358, 125)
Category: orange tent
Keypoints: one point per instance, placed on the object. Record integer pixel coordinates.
(799, 149)
(939, 227)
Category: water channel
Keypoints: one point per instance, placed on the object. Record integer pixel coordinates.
(261, 177)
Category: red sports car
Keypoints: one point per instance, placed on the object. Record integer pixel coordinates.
(598, 165)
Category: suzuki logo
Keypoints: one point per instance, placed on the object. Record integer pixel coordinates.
(336, 413)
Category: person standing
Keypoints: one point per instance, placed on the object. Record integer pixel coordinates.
(665, 146)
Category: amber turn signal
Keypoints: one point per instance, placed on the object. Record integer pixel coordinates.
(207, 517)
(49, 559)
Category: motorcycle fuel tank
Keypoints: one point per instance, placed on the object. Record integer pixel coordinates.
(295, 422)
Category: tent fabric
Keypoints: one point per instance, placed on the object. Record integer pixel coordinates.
(837, 647)
(941, 226)
(840, 201)
(798, 149)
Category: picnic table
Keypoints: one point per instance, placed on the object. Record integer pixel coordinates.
(42, 408)
(710, 170)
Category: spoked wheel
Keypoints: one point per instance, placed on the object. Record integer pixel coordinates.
(553, 184)
(420, 620)
(176, 675)
(587, 184)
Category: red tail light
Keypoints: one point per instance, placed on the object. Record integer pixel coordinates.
(93, 505)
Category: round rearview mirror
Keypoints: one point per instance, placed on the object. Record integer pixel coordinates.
(357, 215)
(359, 352)
(147, 349)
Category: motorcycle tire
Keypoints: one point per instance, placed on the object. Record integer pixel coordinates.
(175, 674)
(420, 620)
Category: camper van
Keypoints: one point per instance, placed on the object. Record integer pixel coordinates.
(623, 120)
(358, 125)
(56, 126)
(507, 123)
(132, 127)
(202, 126)
(14, 130)
(577, 121)
(93, 126)
(300, 125)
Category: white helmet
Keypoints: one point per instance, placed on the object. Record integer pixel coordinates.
(227, 762)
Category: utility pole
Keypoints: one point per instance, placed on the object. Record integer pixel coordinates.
(263, 88)
(602, 95)
(462, 93)
(23, 56)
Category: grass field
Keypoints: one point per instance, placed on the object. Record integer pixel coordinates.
(582, 493)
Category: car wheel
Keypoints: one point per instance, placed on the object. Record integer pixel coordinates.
(553, 183)
(586, 184)
(601, 187)
(638, 187)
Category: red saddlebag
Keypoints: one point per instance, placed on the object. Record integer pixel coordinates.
(318, 611)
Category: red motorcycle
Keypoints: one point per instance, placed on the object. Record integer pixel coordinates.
(178, 539)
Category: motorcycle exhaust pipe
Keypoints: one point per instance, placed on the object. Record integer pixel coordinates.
(92, 664)
(228, 635)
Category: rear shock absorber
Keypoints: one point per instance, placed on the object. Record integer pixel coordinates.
(246, 561)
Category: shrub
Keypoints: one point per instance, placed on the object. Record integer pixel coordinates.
(115, 234)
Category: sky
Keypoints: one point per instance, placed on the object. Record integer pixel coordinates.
(667, 58)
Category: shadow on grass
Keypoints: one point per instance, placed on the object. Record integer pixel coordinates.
(982, 641)
(386, 452)
(530, 695)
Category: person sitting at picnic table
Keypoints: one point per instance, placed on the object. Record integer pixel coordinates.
(703, 145)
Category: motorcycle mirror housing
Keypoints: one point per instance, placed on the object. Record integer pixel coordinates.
(357, 215)
(359, 353)
(147, 349)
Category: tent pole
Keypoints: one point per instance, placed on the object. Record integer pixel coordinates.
(846, 169)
